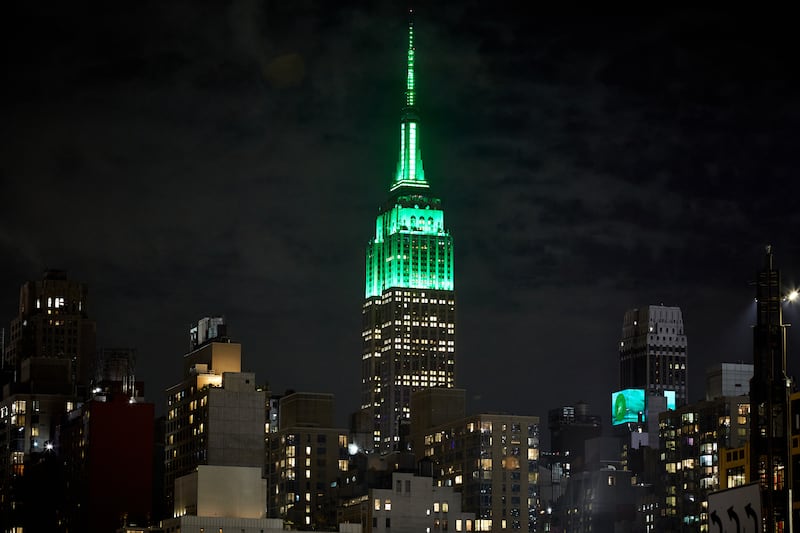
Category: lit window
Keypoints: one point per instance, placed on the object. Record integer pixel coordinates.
(387, 505)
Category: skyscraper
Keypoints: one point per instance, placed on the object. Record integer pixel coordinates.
(652, 352)
(409, 307)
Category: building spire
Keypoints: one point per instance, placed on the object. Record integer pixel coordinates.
(409, 166)
(411, 93)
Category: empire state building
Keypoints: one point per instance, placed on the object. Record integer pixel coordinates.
(409, 307)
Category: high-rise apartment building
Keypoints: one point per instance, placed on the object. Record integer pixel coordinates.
(652, 352)
(493, 459)
(409, 308)
(692, 438)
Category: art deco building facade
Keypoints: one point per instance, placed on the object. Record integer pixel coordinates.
(409, 308)
(652, 352)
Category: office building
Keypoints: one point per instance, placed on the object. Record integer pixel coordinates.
(652, 352)
(409, 308)
(307, 459)
(216, 416)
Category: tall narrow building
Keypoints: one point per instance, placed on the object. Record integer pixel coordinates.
(652, 352)
(409, 307)
(770, 437)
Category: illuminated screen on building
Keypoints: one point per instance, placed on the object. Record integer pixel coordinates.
(626, 406)
(670, 396)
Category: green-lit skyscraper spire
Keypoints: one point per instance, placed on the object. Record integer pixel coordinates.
(409, 166)
(409, 310)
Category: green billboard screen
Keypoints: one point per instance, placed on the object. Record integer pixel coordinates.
(626, 406)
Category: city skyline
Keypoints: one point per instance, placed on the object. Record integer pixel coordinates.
(187, 162)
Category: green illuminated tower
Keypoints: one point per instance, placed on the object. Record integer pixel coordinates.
(409, 311)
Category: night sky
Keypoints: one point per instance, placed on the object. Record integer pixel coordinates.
(190, 159)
